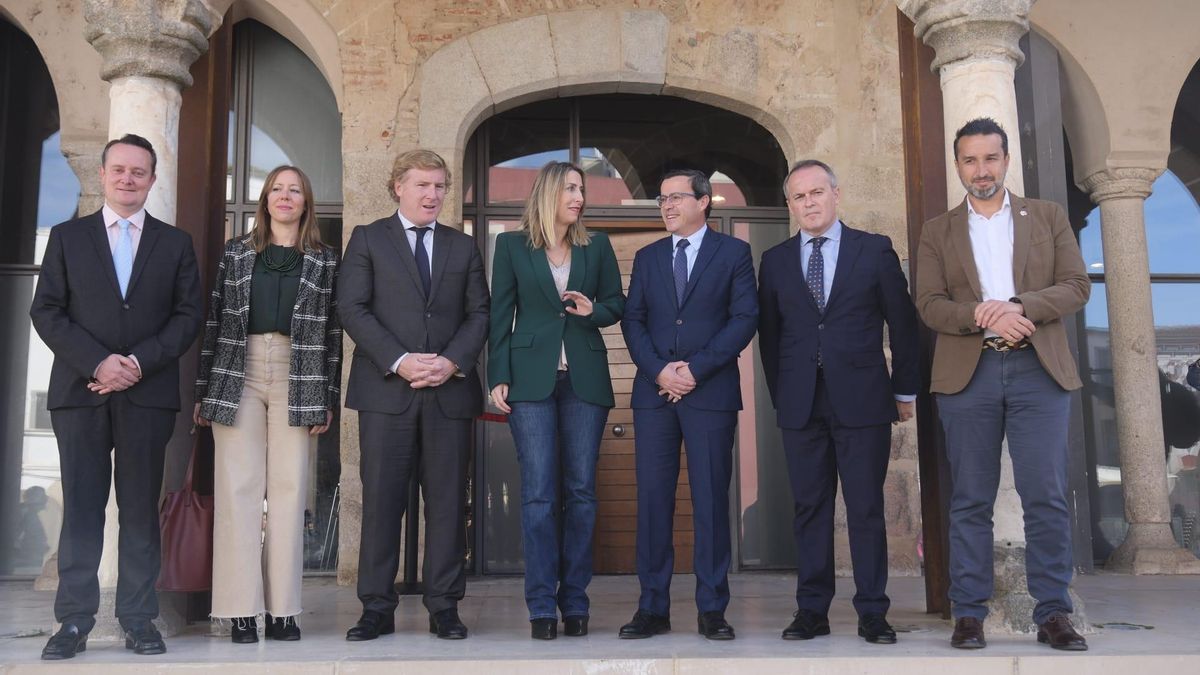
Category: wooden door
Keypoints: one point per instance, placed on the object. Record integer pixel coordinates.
(616, 480)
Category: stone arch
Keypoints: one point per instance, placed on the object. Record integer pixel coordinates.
(74, 68)
(1084, 117)
(569, 53)
(306, 28)
(1136, 89)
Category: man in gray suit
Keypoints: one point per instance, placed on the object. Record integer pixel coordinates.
(413, 296)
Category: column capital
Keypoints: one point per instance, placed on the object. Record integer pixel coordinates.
(968, 30)
(1116, 183)
(149, 38)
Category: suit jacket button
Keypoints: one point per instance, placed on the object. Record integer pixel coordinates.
(678, 322)
(126, 305)
(428, 315)
(561, 315)
(820, 326)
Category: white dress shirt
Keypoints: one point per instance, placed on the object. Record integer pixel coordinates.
(137, 221)
(992, 248)
(693, 248)
(412, 246)
(829, 253)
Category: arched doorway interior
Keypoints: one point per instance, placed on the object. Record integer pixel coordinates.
(626, 143)
(1172, 217)
(38, 190)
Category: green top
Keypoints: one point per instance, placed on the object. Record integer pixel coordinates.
(273, 288)
(530, 326)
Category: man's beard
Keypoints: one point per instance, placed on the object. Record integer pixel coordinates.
(984, 193)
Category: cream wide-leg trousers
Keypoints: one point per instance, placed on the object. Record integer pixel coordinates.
(257, 561)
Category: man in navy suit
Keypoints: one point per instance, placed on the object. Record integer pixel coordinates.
(692, 309)
(821, 342)
(118, 301)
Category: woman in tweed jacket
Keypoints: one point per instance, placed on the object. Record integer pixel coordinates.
(268, 385)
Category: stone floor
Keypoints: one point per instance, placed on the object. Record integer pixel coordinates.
(1169, 608)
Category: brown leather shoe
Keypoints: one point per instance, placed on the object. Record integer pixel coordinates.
(968, 634)
(1058, 632)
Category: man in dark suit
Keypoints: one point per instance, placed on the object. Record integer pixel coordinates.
(692, 309)
(821, 344)
(413, 296)
(118, 301)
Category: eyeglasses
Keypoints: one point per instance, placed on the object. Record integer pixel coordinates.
(674, 198)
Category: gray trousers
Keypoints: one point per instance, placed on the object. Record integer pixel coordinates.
(1010, 395)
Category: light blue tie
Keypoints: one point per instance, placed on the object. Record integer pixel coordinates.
(123, 256)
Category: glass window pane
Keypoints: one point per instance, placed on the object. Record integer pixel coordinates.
(38, 506)
(627, 143)
(1172, 230)
(764, 493)
(58, 188)
(522, 140)
(230, 150)
(331, 231)
(501, 496)
(294, 117)
(1177, 332)
(468, 177)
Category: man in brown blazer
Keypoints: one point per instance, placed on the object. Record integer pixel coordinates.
(995, 277)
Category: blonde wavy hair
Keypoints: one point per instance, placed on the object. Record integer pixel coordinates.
(540, 209)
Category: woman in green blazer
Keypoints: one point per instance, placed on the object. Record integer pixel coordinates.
(548, 369)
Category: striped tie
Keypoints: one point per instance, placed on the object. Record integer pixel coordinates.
(681, 271)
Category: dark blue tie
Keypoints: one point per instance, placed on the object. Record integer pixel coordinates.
(681, 273)
(422, 259)
(816, 273)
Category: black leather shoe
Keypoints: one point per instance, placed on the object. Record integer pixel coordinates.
(968, 634)
(806, 625)
(1058, 632)
(644, 625)
(283, 628)
(65, 644)
(447, 626)
(371, 625)
(575, 626)
(875, 629)
(244, 630)
(143, 638)
(543, 629)
(714, 626)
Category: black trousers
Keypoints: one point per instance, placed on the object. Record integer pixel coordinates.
(390, 447)
(90, 441)
(818, 455)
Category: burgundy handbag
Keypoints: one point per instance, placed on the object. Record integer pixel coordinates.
(186, 522)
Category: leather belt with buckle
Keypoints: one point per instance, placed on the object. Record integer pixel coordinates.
(999, 344)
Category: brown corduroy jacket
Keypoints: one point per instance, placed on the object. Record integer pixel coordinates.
(1049, 276)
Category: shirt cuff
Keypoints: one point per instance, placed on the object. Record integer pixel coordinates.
(905, 398)
(396, 364)
(136, 362)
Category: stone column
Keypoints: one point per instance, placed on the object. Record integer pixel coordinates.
(1149, 547)
(977, 53)
(148, 48)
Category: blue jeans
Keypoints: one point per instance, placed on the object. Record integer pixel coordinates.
(1010, 395)
(558, 445)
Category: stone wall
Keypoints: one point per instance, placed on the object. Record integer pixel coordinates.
(822, 76)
